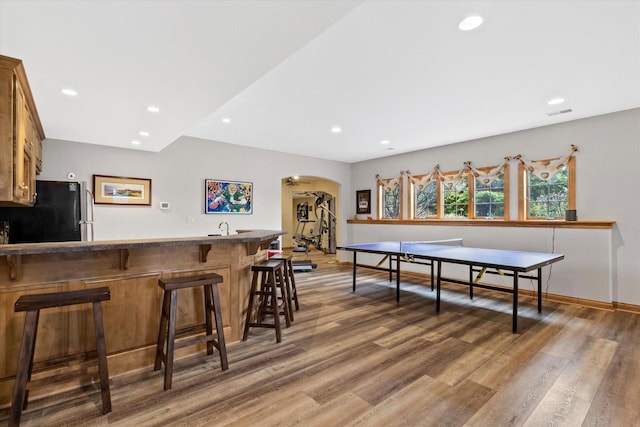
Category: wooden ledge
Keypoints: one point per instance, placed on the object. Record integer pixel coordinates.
(489, 223)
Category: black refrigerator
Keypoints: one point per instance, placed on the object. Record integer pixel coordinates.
(63, 212)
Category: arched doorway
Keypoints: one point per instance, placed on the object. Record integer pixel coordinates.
(318, 199)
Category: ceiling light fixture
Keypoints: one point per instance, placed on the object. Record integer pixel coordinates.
(336, 129)
(226, 120)
(470, 23)
(555, 101)
(69, 92)
(153, 109)
(144, 133)
(384, 142)
(135, 142)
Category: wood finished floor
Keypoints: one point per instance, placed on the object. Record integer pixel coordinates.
(360, 359)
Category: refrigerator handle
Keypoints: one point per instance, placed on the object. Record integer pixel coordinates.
(89, 221)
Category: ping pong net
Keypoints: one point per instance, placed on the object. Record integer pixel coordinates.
(407, 249)
(410, 247)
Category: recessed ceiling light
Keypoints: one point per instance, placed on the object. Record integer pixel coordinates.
(555, 101)
(336, 129)
(470, 23)
(69, 92)
(226, 120)
(153, 109)
(135, 142)
(384, 142)
(144, 133)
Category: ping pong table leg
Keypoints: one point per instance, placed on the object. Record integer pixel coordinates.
(431, 266)
(397, 279)
(439, 273)
(471, 282)
(540, 290)
(390, 268)
(514, 327)
(354, 270)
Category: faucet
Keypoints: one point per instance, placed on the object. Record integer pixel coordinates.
(224, 223)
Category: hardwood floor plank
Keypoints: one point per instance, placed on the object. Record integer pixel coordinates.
(517, 399)
(614, 403)
(569, 399)
(337, 412)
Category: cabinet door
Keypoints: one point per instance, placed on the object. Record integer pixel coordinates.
(24, 178)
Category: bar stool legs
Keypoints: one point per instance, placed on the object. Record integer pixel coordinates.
(269, 275)
(102, 358)
(167, 332)
(32, 304)
(291, 283)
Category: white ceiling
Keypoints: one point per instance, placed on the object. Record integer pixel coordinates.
(285, 72)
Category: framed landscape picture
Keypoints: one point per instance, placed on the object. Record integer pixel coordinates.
(118, 190)
(228, 197)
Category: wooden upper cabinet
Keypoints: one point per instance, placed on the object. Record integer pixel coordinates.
(21, 136)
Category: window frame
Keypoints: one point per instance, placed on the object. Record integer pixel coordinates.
(471, 207)
(523, 202)
(506, 173)
(467, 174)
(412, 198)
(380, 199)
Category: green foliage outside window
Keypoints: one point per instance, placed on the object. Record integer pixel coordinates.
(426, 200)
(548, 199)
(456, 199)
(392, 203)
(489, 199)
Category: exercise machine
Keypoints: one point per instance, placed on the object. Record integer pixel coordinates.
(323, 233)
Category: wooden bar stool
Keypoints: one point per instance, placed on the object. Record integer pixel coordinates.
(267, 278)
(32, 304)
(168, 333)
(290, 279)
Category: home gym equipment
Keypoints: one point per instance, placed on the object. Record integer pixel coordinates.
(323, 233)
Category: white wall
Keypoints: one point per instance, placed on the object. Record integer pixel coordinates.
(178, 173)
(601, 265)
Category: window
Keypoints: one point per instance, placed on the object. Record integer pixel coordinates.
(456, 196)
(424, 194)
(491, 193)
(469, 193)
(390, 198)
(540, 198)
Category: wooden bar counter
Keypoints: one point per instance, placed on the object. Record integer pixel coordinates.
(131, 269)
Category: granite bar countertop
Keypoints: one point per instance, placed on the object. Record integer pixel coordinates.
(243, 236)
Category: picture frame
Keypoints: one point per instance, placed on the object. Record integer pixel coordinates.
(228, 197)
(363, 201)
(120, 190)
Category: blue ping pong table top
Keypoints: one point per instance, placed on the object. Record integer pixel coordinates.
(495, 258)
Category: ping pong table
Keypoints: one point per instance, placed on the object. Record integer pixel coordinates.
(505, 262)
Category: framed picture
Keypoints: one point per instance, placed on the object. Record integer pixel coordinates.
(119, 190)
(228, 197)
(363, 201)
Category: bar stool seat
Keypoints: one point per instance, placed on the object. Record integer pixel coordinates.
(167, 332)
(32, 304)
(267, 278)
(290, 279)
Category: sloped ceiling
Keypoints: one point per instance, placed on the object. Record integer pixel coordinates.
(285, 72)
